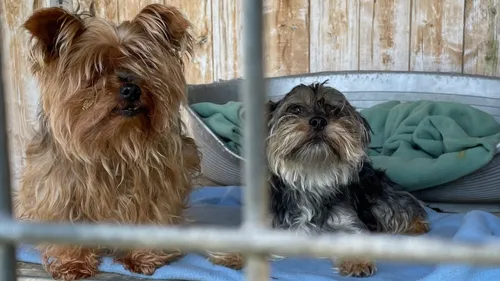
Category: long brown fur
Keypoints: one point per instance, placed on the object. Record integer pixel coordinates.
(87, 163)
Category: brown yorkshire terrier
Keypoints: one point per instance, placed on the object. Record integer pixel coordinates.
(110, 146)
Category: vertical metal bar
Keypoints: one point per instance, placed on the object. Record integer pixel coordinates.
(253, 94)
(7, 251)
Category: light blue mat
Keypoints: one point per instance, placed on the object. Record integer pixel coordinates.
(472, 226)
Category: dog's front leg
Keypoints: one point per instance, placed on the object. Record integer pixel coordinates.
(234, 260)
(398, 211)
(146, 261)
(230, 260)
(345, 219)
(69, 262)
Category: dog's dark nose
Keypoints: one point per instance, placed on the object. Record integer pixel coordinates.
(130, 92)
(318, 123)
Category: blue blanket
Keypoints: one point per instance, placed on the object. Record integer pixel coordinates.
(471, 226)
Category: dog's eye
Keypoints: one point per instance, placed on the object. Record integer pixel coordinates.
(295, 109)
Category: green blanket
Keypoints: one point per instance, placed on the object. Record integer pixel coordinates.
(425, 143)
(224, 120)
(419, 144)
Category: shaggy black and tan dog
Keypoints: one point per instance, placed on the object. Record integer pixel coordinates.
(321, 177)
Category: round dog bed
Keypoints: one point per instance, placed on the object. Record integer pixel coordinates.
(363, 90)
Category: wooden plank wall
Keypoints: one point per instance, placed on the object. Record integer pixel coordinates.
(301, 36)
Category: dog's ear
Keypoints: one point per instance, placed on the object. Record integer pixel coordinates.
(366, 124)
(53, 29)
(166, 25)
(367, 129)
(271, 106)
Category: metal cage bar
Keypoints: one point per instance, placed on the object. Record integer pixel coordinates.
(419, 249)
(254, 239)
(7, 250)
(253, 95)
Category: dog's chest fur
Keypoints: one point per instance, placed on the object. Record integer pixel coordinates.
(309, 209)
(146, 189)
(304, 210)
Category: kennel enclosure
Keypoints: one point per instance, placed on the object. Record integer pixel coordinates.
(254, 239)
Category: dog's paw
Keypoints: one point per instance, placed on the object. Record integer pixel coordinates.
(230, 260)
(356, 268)
(138, 266)
(418, 226)
(146, 263)
(70, 263)
(71, 271)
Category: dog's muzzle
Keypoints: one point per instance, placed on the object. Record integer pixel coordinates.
(130, 92)
(318, 123)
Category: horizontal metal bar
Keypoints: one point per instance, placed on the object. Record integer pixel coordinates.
(425, 250)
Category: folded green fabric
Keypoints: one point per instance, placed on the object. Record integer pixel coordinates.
(224, 120)
(426, 143)
(419, 144)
